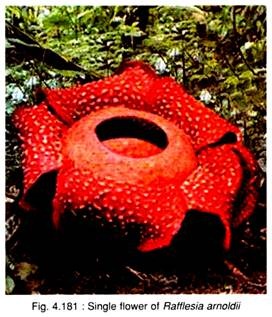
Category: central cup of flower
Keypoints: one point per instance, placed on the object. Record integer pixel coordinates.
(129, 165)
(132, 136)
(128, 144)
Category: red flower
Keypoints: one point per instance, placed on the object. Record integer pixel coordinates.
(193, 159)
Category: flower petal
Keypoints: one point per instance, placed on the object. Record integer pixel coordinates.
(170, 100)
(215, 186)
(128, 87)
(158, 213)
(40, 133)
(248, 191)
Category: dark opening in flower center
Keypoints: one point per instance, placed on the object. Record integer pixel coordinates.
(132, 136)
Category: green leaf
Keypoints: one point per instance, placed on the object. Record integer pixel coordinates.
(232, 82)
(246, 75)
(10, 285)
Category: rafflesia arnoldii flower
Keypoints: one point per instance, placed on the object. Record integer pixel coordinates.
(135, 148)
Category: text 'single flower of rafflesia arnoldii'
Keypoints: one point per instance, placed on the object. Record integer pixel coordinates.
(135, 148)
